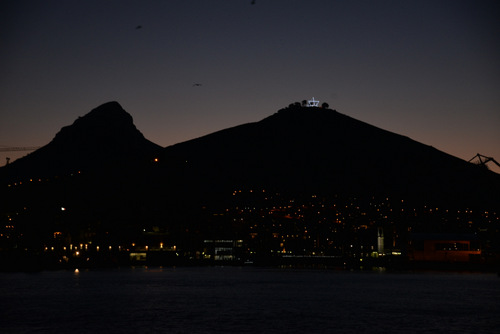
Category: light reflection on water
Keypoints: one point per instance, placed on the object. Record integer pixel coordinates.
(247, 300)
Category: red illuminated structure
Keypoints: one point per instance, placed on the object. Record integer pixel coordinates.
(444, 247)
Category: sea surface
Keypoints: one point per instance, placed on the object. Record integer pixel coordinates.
(248, 300)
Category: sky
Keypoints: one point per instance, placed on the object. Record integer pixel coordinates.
(426, 69)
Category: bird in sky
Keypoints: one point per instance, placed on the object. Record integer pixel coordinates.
(196, 84)
(138, 27)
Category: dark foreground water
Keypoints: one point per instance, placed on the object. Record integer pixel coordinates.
(247, 300)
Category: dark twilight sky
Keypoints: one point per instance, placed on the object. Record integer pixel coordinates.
(427, 69)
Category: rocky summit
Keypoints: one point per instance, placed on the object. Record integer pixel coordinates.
(106, 137)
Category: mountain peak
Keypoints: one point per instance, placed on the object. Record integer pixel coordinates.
(109, 111)
(103, 121)
(104, 136)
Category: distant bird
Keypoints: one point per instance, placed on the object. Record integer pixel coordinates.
(138, 27)
(253, 2)
(197, 84)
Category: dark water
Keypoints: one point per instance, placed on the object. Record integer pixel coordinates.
(248, 300)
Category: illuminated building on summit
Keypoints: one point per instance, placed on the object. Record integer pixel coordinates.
(312, 103)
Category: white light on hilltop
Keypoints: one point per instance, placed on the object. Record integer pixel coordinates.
(312, 103)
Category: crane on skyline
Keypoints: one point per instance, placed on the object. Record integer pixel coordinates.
(482, 160)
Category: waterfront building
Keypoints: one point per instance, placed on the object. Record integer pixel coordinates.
(444, 247)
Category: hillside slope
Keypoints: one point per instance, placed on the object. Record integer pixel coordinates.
(104, 138)
(314, 150)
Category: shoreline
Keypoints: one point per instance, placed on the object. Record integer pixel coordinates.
(17, 261)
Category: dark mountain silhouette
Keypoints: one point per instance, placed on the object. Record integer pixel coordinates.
(320, 151)
(104, 138)
(298, 151)
(86, 181)
(101, 182)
